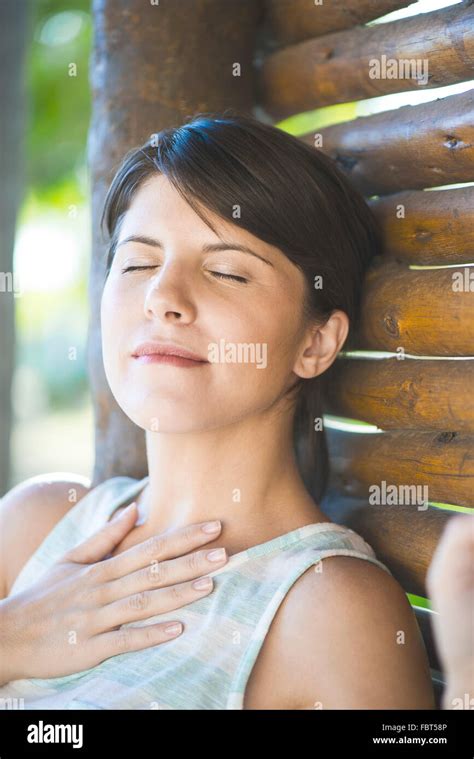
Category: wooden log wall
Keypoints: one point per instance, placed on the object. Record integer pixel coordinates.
(418, 299)
(336, 68)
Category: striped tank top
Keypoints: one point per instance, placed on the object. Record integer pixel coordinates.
(209, 664)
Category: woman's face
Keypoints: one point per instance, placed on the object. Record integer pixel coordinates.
(248, 334)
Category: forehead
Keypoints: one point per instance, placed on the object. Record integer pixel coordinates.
(158, 206)
(158, 210)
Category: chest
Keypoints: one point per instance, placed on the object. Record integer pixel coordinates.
(271, 684)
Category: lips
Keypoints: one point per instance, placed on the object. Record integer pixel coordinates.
(166, 352)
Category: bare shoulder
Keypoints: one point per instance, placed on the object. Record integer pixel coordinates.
(28, 512)
(345, 637)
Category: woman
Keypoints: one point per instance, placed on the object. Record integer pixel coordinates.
(236, 261)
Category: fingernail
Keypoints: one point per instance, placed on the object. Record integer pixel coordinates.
(203, 584)
(173, 629)
(217, 555)
(211, 526)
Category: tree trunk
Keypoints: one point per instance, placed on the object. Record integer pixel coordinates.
(152, 67)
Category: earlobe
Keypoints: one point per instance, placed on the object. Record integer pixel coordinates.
(322, 345)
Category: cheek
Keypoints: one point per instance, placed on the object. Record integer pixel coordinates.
(106, 320)
(113, 332)
(108, 295)
(281, 331)
(270, 336)
(116, 308)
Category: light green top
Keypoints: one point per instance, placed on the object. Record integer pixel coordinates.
(209, 664)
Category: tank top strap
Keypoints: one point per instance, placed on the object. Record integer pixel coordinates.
(79, 523)
(351, 543)
(321, 542)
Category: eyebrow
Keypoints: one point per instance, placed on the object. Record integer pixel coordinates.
(209, 248)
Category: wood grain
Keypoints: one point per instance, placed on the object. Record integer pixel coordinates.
(428, 312)
(291, 21)
(370, 61)
(424, 228)
(441, 462)
(408, 148)
(410, 394)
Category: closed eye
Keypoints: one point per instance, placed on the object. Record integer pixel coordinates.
(136, 268)
(234, 277)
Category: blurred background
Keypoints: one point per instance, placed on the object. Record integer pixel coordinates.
(46, 420)
(52, 417)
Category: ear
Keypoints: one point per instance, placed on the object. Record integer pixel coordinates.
(321, 345)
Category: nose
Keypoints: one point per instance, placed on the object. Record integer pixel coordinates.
(168, 295)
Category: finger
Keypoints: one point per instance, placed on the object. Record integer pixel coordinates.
(158, 548)
(149, 603)
(452, 565)
(159, 574)
(458, 531)
(102, 542)
(456, 538)
(135, 638)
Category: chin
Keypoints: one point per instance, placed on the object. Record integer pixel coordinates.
(164, 417)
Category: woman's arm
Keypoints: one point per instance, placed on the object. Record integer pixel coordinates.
(354, 640)
(28, 512)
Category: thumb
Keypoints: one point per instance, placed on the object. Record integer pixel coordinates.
(101, 543)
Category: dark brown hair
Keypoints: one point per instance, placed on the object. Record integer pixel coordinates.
(290, 195)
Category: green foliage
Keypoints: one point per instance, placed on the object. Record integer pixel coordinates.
(59, 104)
(302, 123)
(51, 324)
(420, 601)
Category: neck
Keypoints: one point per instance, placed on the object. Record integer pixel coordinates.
(244, 474)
